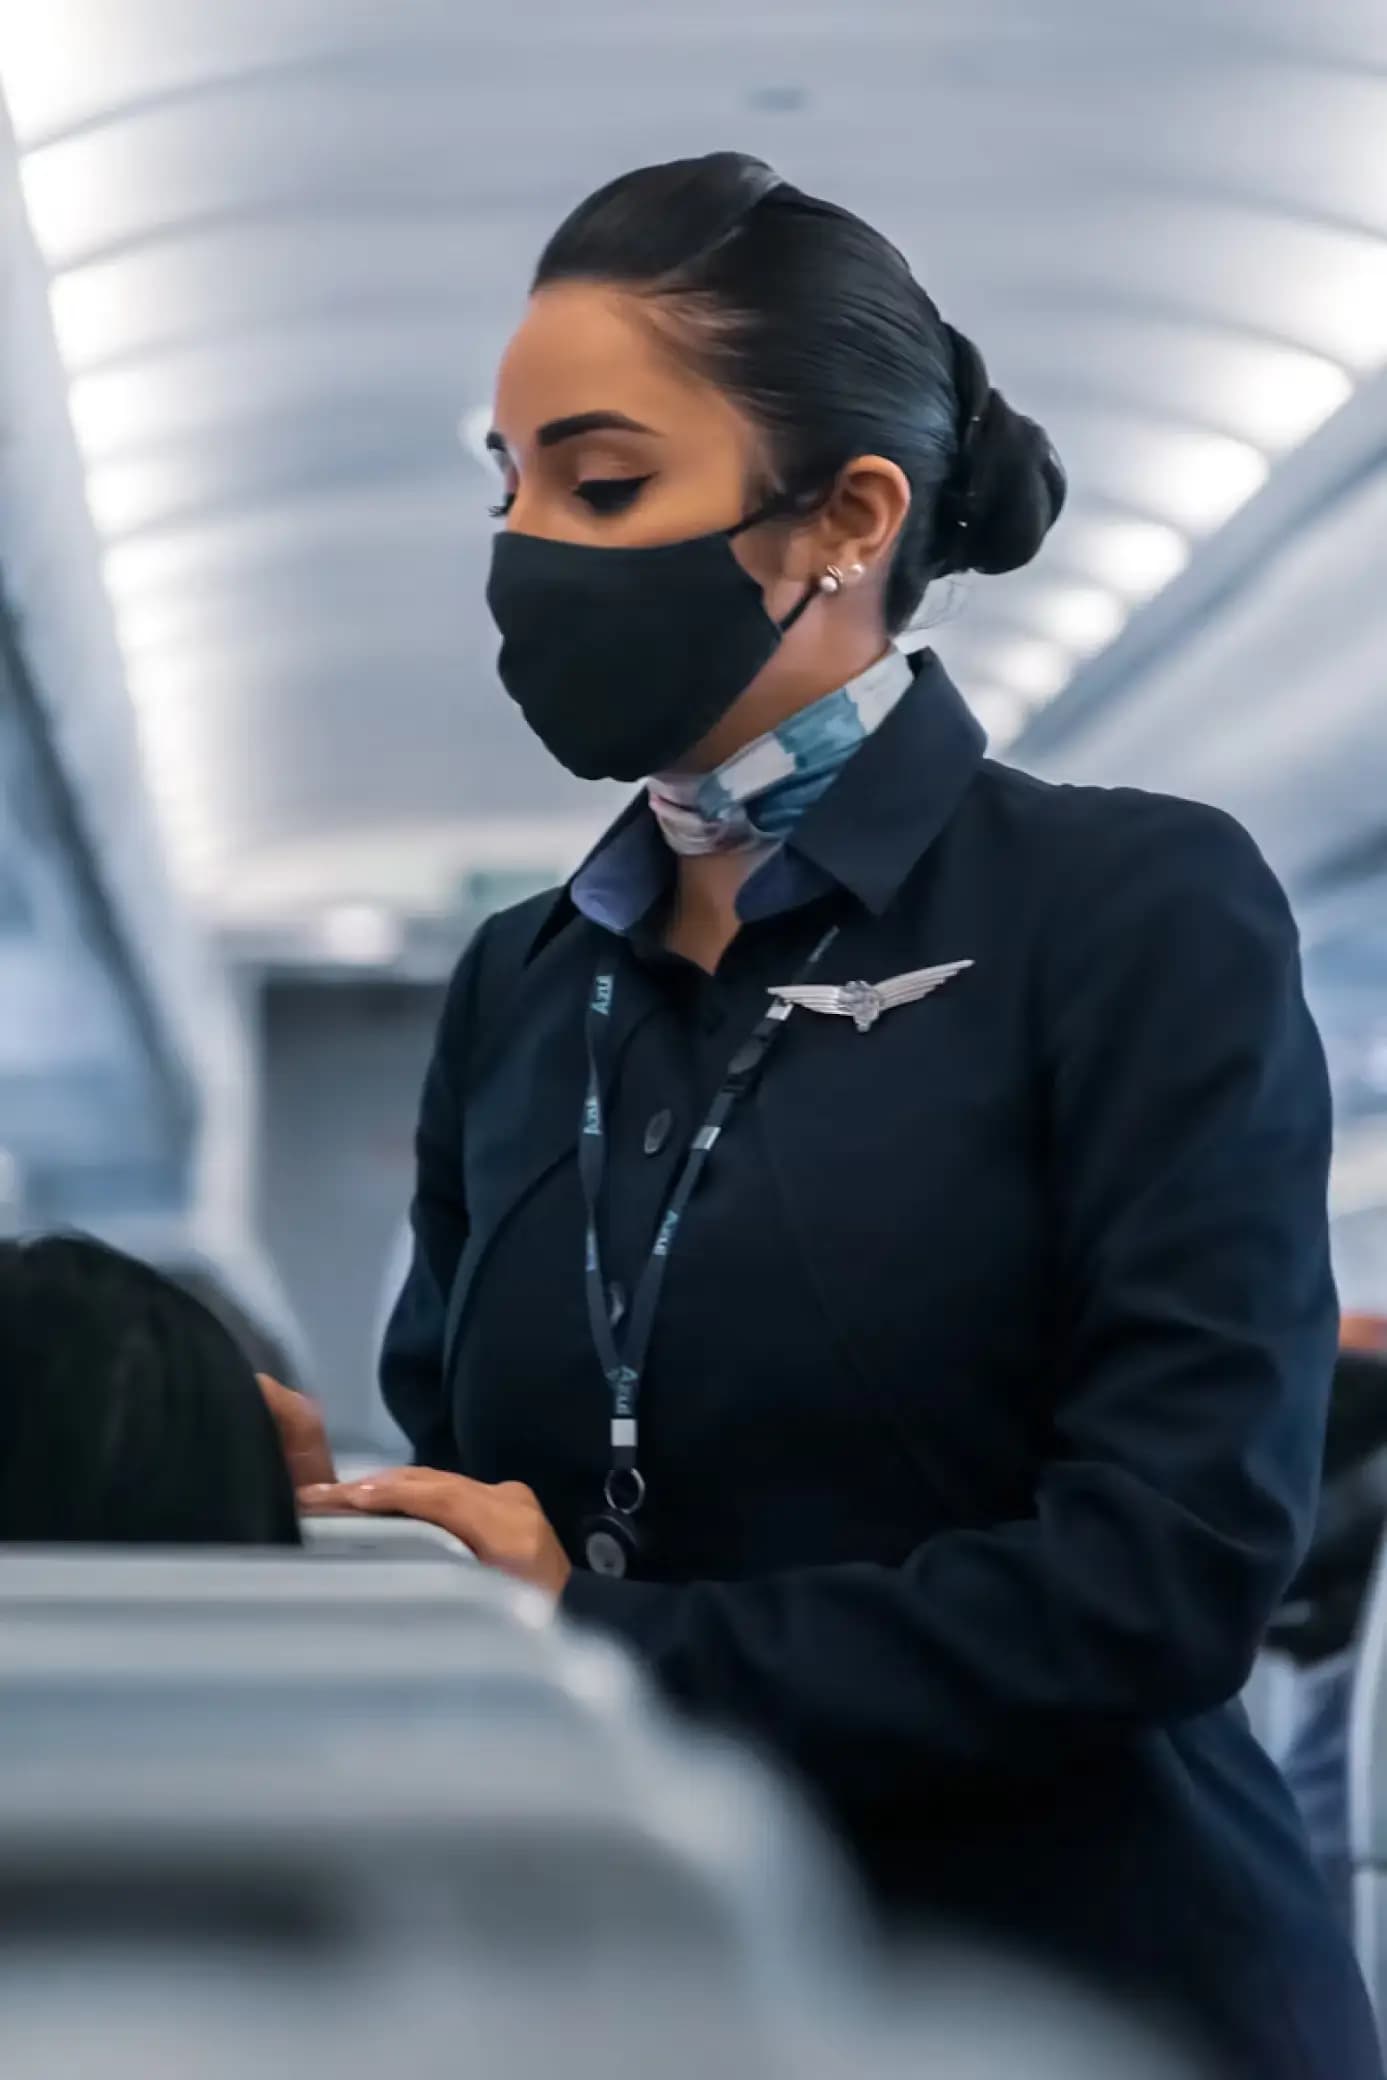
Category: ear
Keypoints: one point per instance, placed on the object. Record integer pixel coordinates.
(859, 523)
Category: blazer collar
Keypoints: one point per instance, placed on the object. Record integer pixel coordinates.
(877, 821)
(890, 802)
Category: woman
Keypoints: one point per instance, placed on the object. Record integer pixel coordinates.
(127, 1414)
(870, 1244)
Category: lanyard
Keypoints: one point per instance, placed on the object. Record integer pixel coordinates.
(623, 1363)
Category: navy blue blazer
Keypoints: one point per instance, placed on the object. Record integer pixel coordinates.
(987, 1398)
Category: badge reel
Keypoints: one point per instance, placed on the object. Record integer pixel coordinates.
(612, 1542)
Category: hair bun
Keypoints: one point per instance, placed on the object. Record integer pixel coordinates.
(1008, 485)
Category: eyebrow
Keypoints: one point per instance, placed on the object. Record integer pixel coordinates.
(557, 431)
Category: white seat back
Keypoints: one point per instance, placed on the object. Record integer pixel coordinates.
(1367, 1762)
(262, 1814)
(162, 1705)
(383, 1537)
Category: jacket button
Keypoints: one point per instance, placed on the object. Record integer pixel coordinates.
(657, 1132)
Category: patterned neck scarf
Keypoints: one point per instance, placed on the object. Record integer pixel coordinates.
(754, 800)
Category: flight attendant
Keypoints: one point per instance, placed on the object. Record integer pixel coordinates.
(870, 1242)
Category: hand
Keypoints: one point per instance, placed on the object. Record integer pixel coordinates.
(504, 1525)
(302, 1433)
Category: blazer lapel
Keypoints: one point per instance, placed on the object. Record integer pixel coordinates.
(524, 1100)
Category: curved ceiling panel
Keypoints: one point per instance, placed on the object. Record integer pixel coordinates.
(209, 281)
(286, 245)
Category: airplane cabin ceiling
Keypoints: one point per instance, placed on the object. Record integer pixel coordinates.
(287, 239)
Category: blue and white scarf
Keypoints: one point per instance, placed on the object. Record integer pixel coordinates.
(754, 799)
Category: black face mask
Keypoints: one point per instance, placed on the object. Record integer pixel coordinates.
(621, 660)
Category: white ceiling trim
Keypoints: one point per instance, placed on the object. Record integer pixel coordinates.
(286, 244)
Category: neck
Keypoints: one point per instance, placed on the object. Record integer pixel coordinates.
(782, 690)
(703, 920)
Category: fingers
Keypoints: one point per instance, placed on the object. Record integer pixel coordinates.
(334, 1498)
(327, 1498)
(294, 1413)
(299, 1422)
(504, 1525)
(284, 1404)
(375, 1492)
(459, 1505)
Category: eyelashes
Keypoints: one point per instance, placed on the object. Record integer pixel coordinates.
(611, 494)
(605, 496)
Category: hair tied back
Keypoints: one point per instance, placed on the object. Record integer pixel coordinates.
(1006, 488)
(812, 322)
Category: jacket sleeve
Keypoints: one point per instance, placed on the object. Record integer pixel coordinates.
(411, 1364)
(1188, 1131)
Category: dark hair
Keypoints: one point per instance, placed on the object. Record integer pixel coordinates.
(127, 1413)
(814, 322)
(262, 1351)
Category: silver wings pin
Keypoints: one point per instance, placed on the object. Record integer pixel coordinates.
(864, 1002)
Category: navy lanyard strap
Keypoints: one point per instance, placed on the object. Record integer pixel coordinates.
(623, 1364)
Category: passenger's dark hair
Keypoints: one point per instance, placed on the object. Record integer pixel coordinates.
(263, 1352)
(127, 1413)
(815, 324)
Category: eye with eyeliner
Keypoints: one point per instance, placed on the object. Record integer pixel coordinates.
(607, 495)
